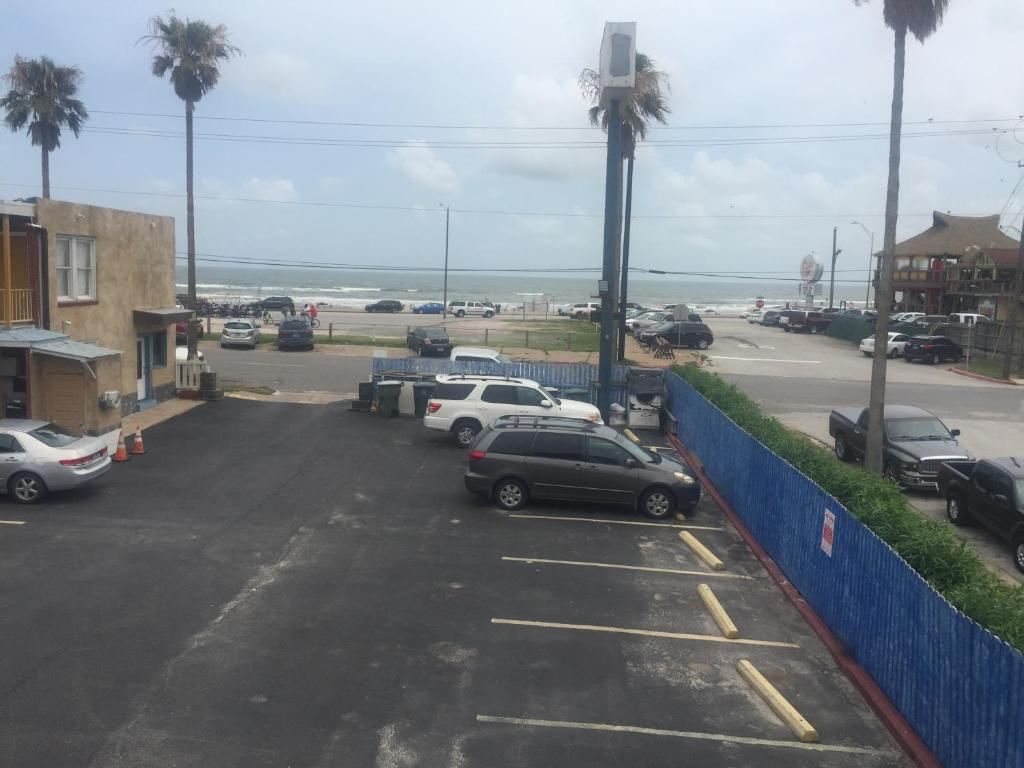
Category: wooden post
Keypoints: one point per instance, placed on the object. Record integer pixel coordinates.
(527, 339)
(568, 342)
(8, 304)
(208, 331)
(485, 335)
(330, 330)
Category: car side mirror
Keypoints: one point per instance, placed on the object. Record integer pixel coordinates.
(546, 404)
(632, 463)
(955, 432)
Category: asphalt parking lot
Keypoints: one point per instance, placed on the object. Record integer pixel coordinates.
(297, 585)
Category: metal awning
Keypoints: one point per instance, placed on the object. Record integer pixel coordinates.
(162, 315)
(74, 350)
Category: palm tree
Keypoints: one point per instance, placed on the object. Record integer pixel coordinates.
(646, 103)
(191, 51)
(42, 96)
(921, 18)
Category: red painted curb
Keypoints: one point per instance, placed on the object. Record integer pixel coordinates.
(905, 736)
(983, 377)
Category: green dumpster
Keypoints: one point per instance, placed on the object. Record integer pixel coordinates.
(388, 393)
(421, 391)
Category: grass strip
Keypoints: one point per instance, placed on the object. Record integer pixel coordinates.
(928, 546)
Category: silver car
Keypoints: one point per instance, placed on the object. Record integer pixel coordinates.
(240, 333)
(37, 457)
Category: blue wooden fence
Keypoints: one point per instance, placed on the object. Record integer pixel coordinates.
(561, 375)
(959, 687)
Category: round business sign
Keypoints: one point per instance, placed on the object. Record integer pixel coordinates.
(759, 303)
(811, 269)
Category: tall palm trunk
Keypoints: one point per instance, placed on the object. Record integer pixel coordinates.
(624, 280)
(873, 459)
(190, 229)
(46, 172)
(1017, 298)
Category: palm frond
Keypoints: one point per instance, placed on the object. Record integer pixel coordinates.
(646, 103)
(190, 51)
(919, 17)
(43, 97)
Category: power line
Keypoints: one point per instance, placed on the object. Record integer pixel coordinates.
(471, 211)
(471, 127)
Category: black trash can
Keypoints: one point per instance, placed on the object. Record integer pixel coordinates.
(388, 393)
(15, 409)
(421, 392)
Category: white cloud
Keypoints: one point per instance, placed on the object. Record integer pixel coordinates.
(268, 189)
(421, 165)
(275, 74)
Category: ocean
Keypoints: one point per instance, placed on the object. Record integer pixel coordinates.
(347, 289)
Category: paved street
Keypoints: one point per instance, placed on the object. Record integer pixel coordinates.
(356, 607)
(800, 378)
(325, 370)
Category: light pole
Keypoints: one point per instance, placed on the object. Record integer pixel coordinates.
(871, 255)
(444, 290)
(832, 274)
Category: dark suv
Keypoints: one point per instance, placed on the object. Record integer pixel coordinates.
(679, 334)
(278, 303)
(547, 457)
(295, 332)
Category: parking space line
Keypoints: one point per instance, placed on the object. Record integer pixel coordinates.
(698, 735)
(644, 568)
(12, 522)
(705, 554)
(643, 632)
(765, 360)
(615, 522)
(796, 722)
(717, 612)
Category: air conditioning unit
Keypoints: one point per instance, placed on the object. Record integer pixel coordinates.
(110, 399)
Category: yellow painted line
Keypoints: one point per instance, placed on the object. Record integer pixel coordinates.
(802, 729)
(615, 522)
(698, 735)
(646, 569)
(12, 522)
(705, 554)
(643, 632)
(631, 435)
(717, 612)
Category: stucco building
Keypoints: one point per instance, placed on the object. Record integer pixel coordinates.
(87, 311)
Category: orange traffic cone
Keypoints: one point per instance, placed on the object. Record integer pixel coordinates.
(137, 447)
(122, 451)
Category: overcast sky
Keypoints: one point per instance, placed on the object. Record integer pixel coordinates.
(734, 65)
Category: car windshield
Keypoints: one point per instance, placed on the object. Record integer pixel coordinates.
(638, 451)
(237, 326)
(435, 333)
(917, 428)
(55, 436)
(1018, 486)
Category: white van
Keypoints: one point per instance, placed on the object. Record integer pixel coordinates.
(968, 318)
(463, 308)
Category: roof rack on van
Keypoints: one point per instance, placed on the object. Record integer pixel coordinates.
(504, 422)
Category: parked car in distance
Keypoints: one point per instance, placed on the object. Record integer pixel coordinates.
(464, 404)
(915, 442)
(181, 354)
(654, 318)
(478, 355)
(906, 317)
(931, 321)
(632, 321)
(932, 349)
(39, 457)
(181, 332)
(517, 458)
(968, 318)
(563, 310)
(583, 310)
(278, 303)
(771, 318)
(754, 315)
(811, 321)
(239, 332)
(894, 346)
(430, 308)
(295, 333)
(991, 492)
(385, 305)
(788, 316)
(429, 340)
(463, 308)
(679, 334)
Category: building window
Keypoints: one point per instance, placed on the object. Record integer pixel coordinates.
(76, 268)
(160, 350)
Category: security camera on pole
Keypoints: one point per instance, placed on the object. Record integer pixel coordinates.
(618, 78)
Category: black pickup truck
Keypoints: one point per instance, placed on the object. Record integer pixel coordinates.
(990, 491)
(916, 442)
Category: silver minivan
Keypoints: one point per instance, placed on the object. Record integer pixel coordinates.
(240, 332)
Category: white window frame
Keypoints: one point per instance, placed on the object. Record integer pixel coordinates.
(75, 289)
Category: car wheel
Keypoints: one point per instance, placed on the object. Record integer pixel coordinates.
(488, 314)
(894, 354)
(892, 474)
(1018, 555)
(842, 449)
(223, 345)
(510, 494)
(465, 432)
(814, 329)
(703, 344)
(460, 313)
(867, 354)
(936, 359)
(657, 503)
(957, 511)
(27, 488)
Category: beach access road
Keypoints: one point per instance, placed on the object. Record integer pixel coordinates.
(800, 378)
(279, 584)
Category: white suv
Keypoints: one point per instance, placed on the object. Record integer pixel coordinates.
(582, 311)
(462, 405)
(463, 308)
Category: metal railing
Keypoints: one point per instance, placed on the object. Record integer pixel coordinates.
(21, 305)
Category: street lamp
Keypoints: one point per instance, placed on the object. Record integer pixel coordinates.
(444, 290)
(871, 253)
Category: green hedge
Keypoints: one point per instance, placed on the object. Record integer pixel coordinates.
(928, 546)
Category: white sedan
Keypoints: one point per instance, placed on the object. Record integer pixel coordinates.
(894, 347)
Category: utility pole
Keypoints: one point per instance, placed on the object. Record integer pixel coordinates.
(612, 189)
(444, 290)
(832, 274)
(624, 279)
(1015, 300)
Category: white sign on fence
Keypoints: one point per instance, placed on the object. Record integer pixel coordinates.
(828, 532)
